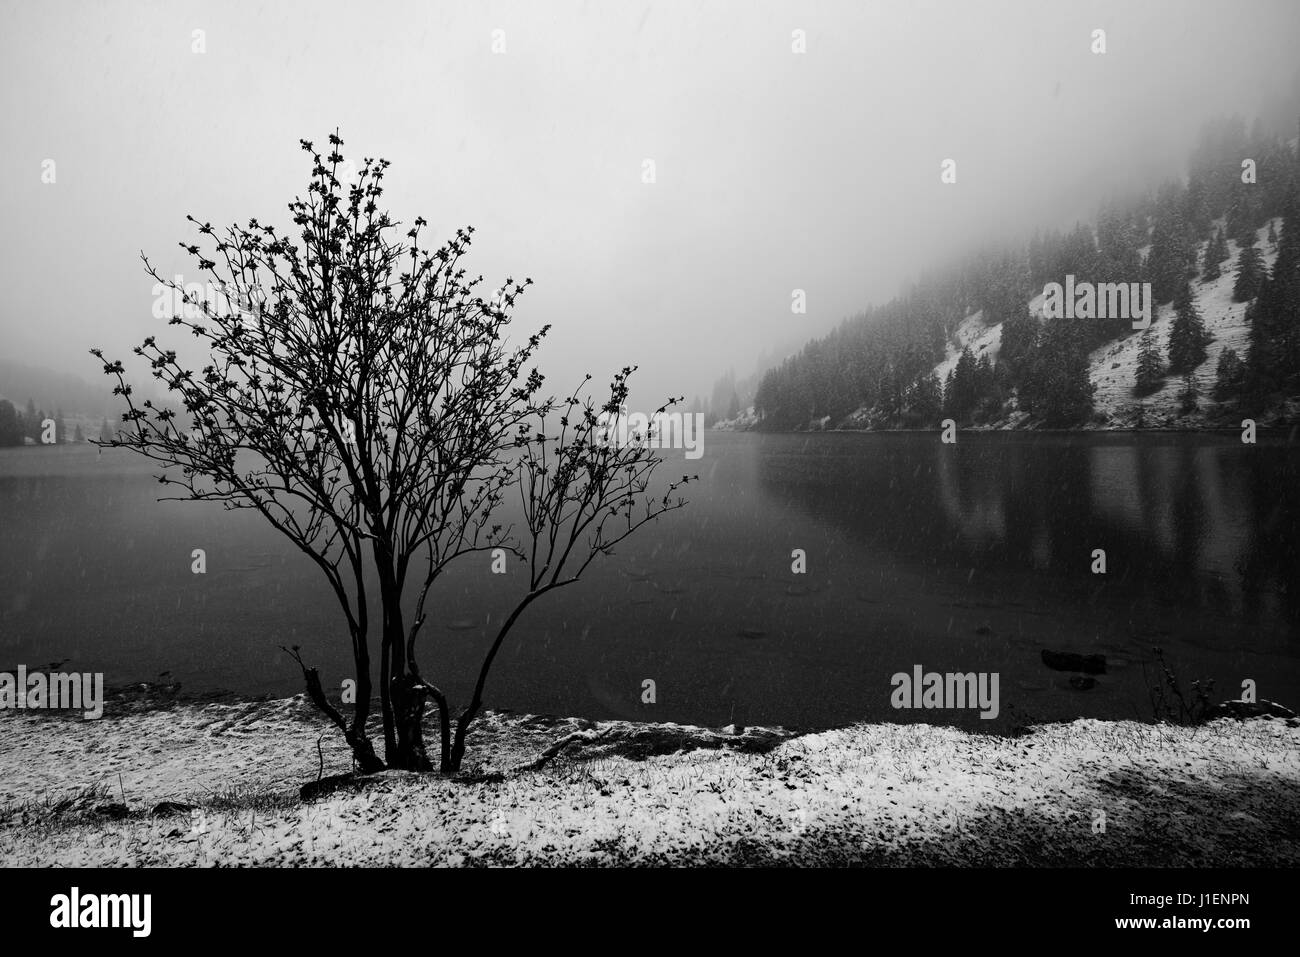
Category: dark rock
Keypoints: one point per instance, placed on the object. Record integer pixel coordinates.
(1069, 661)
(327, 785)
(480, 777)
(1082, 682)
(165, 808)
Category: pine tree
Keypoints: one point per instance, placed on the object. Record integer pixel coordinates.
(1019, 334)
(924, 403)
(1250, 274)
(11, 426)
(1209, 264)
(105, 432)
(1243, 217)
(1187, 335)
(963, 389)
(1150, 367)
(1229, 376)
(31, 422)
(1058, 387)
(1187, 398)
(1216, 253)
(1171, 252)
(988, 396)
(1272, 234)
(1273, 361)
(77, 435)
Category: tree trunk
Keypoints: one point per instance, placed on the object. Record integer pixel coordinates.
(408, 714)
(354, 734)
(391, 655)
(404, 745)
(458, 746)
(386, 700)
(364, 752)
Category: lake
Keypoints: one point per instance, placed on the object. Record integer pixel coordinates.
(971, 557)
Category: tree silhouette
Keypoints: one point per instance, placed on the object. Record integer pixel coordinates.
(1150, 372)
(361, 396)
(1188, 337)
(11, 427)
(1250, 274)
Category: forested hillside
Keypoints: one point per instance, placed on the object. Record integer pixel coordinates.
(1221, 250)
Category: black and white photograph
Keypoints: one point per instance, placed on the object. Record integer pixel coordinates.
(555, 438)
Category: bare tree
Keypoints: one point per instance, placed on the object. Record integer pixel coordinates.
(363, 397)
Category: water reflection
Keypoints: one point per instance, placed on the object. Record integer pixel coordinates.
(1193, 520)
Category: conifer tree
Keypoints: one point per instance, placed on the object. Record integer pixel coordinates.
(1187, 336)
(1150, 366)
(11, 427)
(32, 422)
(1273, 362)
(1229, 376)
(1058, 387)
(1187, 398)
(1209, 264)
(1250, 274)
(1221, 250)
(963, 390)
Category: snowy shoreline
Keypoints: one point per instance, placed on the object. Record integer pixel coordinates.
(217, 783)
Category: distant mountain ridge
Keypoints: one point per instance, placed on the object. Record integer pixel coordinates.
(1220, 250)
(52, 390)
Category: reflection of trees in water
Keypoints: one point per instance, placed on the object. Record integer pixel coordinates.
(1184, 522)
(1271, 565)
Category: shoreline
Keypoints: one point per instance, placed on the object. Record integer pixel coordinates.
(188, 783)
(1275, 431)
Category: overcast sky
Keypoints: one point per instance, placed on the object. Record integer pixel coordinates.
(775, 171)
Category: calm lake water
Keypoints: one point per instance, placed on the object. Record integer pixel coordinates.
(972, 557)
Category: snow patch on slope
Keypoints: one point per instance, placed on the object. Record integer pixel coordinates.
(1113, 365)
(971, 333)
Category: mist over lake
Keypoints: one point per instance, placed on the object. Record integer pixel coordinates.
(968, 557)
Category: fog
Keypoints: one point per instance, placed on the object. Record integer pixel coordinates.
(774, 170)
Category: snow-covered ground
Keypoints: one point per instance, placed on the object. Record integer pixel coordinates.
(1088, 792)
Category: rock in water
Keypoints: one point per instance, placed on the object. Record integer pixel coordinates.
(1069, 661)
